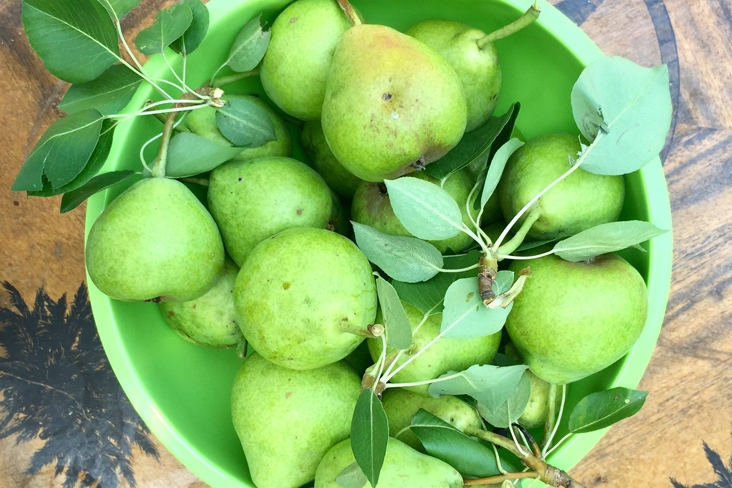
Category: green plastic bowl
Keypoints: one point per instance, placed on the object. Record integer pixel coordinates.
(182, 391)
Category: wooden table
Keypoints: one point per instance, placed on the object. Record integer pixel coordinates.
(690, 375)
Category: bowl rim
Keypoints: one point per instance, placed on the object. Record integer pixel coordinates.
(634, 364)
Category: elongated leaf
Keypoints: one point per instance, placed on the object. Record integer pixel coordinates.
(75, 39)
(351, 477)
(605, 238)
(249, 46)
(119, 8)
(426, 210)
(170, 24)
(369, 434)
(62, 152)
(76, 197)
(473, 146)
(403, 258)
(398, 329)
(602, 409)
(245, 123)
(108, 94)
(428, 296)
(465, 316)
(625, 109)
(190, 154)
(490, 385)
(196, 32)
(510, 410)
(95, 163)
(443, 441)
(507, 132)
(495, 170)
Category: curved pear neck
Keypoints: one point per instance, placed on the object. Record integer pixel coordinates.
(527, 18)
(350, 12)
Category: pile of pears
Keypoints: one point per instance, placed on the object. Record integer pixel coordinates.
(266, 262)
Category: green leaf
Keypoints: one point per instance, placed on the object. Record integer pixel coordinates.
(108, 94)
(170, 24)
(503, 281)
(351, 477)
(62, 152)
(190, 154)
(76, 197)
(119, 8)
(602, 409)
(426, 210)
(465, 316)
(95, 163)
(605, 238)
(403, 258)
(245, 123)
(474, 145)
(398, 329)
(510, 410)
(369, 434)
(428, 295)
(490, 385)
(625, 110)
(75, 39)
(443, 441)
(249, 46)
(196, 32)
(495, 170)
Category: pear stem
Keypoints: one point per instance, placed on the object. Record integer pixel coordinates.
(225, 80)
(548, 439)
(494, 480)
(350, 12)
(368, 332)
(520, 235)
(527, 18)
(158, 169)
(551, 414)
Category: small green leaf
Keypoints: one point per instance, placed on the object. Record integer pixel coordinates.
(495, 170)
(403, 258)
(625, 110)
(190, 154)
(426, 210)
(503, 281)
(76, 197)
(170, 24)
(490, 385)
(443, 441)
(75, 39)
(119, 8)
(62, 152)
(605, 238)
(465, 316)
(245, 123)
(510, 410)
(428, 295)
(249, 46)
(398, 329)
(602, 409)
(474, 145)
(351, 477)
(369, 434)
(108, 94)
(196, 32)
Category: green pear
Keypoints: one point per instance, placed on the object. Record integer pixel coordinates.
(287, 420)
(392, 104)
(580, 201)
(400, 406)
(253, 200)
(371, 206)
(305, 297)
(446, 354)
(209, 320)
(202, 122)
(295, 66)
(403, 468)
(321, 158)
(574, 319)
(154, 242)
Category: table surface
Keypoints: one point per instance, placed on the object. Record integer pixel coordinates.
(687, 421)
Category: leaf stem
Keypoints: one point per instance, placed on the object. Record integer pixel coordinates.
(524, 258)
(494, 480)
(225, 80)
(547, 444)
(425, 382)
(558, 443)
(450, 270)
(527, 18)
(388, 374)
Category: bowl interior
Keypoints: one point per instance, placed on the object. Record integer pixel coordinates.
(182, 391)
